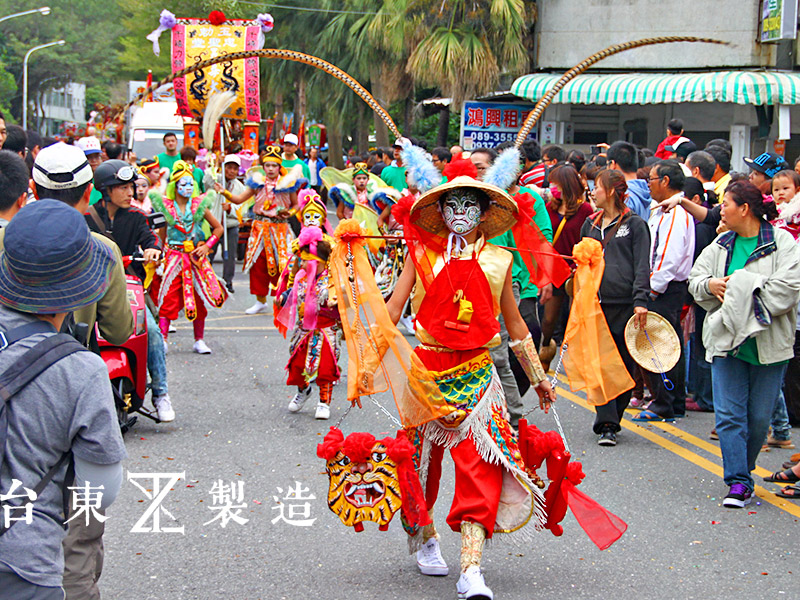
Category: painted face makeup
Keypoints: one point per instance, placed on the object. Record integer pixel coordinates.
(312, 219)
(461, 211)
(185, 186)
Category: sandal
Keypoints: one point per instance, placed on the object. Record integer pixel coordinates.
(789, 464)
(792, 492)
(786, 476)
(648, 416)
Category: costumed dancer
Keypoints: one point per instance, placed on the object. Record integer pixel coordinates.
(314, 345)
(356, 192)
(275, 202)
(311, 212)
(188, 281)
(461, 284)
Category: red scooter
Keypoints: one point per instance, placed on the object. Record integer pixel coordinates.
(127, 363)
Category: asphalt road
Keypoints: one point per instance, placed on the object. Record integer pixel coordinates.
(232, 425)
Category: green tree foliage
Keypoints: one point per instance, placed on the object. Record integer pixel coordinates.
(89, 55)
(455, 48)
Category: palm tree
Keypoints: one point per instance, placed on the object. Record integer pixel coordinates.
(469, 43)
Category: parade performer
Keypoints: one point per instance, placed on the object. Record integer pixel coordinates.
(314, 347)
(461, 285)
(275, 202)
(188, 281)
(354, 187)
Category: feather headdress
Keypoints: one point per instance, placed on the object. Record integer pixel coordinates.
(505, 169)
(419, 168)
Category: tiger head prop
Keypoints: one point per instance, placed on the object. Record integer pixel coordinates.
(370, 479)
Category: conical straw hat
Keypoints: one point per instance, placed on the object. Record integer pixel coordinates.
(661, 351)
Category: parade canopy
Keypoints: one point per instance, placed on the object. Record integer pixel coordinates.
(740, 87)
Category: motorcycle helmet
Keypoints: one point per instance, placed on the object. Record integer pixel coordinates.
(111, 173)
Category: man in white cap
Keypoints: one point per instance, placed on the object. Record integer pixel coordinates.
(62, 172)
(231, 164)
(94, 155)
(290, 157)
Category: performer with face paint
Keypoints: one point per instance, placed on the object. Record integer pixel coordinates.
(461, 284)
(302, 304)
(188, 281)
(275, 202)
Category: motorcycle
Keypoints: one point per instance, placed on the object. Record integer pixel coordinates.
(127, 363)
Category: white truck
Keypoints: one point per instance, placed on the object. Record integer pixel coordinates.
(148, 125)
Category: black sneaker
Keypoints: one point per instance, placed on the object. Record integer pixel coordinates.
(229, 286)
(607, 438)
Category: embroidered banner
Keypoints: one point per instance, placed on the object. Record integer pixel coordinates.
(195, 42)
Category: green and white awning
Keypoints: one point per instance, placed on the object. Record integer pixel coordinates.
(740, 87)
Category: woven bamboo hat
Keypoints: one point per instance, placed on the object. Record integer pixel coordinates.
(661, 351)
(500, 216)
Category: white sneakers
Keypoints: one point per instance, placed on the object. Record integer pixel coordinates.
(258, 307)
(323, 411)
(200, 347)
(471, 586)
(164, 409)
(430, 560)
(299, 399)
(408, 323)
(172, 328)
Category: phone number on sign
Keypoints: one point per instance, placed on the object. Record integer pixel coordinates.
(495, 137)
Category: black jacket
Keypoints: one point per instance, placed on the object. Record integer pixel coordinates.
(626, 279)
(129, 230)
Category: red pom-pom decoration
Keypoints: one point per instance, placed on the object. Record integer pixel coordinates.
(217, 17)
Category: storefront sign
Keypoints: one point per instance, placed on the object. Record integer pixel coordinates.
(778, 20)
(489, 124)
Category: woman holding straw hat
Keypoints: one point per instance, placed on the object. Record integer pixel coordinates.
(625, 286)
(749, 282)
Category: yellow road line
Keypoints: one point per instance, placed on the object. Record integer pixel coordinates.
(696, 459)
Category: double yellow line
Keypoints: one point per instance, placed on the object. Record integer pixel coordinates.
(646, 432)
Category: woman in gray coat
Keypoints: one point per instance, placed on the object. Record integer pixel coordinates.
(749, 282)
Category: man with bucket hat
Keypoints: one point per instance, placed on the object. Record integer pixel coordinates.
(69, 411)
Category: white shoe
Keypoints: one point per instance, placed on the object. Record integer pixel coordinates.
(172, 328)
(164, 409)
(471, 586)
(258, 307)
(200, 347)
(429, 559)
(408, 323)
(166, 347)
(299, 399)
(323, 411)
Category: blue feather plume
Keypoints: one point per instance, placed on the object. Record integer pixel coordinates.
(505, 169)
(419, 168)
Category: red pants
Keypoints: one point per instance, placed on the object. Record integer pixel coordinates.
(260, 279)
(173, 302)
(477, 489)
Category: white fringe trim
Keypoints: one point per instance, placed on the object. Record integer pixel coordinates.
(476, 425)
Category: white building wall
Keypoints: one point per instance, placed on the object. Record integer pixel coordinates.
(571, 30)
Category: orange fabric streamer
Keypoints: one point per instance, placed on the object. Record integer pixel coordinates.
(542, 261)
(379, 357)
(592, 361)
